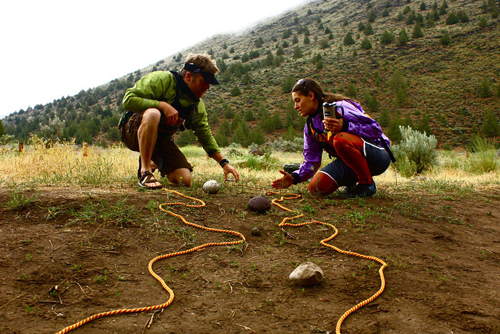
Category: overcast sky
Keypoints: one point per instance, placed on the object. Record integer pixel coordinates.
(55, 48)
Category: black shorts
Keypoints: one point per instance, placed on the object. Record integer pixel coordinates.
(377, 158)
(166, 154)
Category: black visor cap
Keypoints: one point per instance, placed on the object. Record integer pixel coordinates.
(209, 78)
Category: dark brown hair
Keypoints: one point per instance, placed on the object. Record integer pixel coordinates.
(311, 85)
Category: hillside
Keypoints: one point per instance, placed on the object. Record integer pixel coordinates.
(447, 89)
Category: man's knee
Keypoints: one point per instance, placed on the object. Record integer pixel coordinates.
(151, 116)
(322, 184)
(181, 176)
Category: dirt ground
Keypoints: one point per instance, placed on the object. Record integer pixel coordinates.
(73, 253)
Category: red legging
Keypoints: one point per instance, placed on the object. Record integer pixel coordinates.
(349, 148)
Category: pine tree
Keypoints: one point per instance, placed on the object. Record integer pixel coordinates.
(348, 40)
(424, 126)
(490, 126)
(417, 31)
(386, 37)
(445, 39)
(2, 129)
(403, 38)
(366, 44)
(384, 119)
(452, 19)
(484, 89)
(368, 29)
(297, 53)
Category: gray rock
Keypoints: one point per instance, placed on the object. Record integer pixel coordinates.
(255, 231)
(307, 274)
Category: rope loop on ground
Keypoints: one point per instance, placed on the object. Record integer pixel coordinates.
(161, 257)
(201, 204)
(324, 242)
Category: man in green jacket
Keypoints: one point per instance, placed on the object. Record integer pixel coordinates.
(157, 106)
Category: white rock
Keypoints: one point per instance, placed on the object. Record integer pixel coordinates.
(307, 274)
(211, 187)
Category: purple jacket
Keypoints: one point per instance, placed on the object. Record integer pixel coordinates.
(356, 122)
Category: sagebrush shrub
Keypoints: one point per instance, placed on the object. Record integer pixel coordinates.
(415, 153)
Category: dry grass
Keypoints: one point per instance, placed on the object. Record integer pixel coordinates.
(66, 166)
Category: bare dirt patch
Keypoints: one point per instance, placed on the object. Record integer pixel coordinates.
(443, 254)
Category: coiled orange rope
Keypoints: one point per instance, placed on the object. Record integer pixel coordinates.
(324, 243)
(150, 266)
(242, 239)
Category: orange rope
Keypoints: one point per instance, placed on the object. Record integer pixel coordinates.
(150, 266)
(324, 243)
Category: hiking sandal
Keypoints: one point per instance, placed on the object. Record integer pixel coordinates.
(147, 178)
(139, 170)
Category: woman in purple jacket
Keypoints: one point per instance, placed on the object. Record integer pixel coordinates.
(354, 138)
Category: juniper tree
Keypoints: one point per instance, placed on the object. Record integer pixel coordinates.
(417, 31)
(368, 29)
(452, 19)
(445, 39)
(386, 37)
(385, 119)
(490, 126)
(403, 38)
(366, 44)
(484, 89)
(483, 23)
(348, 40)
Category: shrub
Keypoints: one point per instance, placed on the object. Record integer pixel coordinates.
(482, 156)
(235, 91)
(483, 22)
(445, 39)
(415, 153)
(297, 145)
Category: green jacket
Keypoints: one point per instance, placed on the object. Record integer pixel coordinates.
(162, 86)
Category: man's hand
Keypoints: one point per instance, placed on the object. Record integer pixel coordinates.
(228, 169)
(170, 112)
(284, 182)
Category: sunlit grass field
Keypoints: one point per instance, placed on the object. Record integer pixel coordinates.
(65, 165)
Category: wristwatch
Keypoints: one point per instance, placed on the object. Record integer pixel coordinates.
(223, 162)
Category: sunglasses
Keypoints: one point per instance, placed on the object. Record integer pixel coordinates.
(303, 82)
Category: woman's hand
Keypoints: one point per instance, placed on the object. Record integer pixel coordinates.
(333, 124)
(284, 182)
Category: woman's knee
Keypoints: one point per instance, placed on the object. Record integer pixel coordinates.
(322, 184)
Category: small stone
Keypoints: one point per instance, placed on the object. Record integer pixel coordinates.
(211, 187)
(255, 231)
(307, 274)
